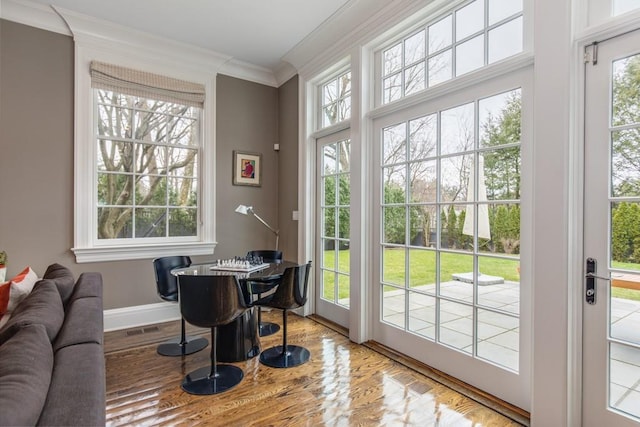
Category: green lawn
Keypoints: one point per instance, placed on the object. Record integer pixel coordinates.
(423, 270)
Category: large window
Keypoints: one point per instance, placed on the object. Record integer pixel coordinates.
(147, 167)
(141, 171)
(479, 33)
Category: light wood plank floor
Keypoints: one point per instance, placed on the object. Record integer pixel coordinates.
(344, 384)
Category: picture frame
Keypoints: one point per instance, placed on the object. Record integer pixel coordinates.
(247, 168)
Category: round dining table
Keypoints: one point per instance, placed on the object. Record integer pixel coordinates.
(238, 340)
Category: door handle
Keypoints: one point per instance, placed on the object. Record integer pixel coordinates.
(590, 284)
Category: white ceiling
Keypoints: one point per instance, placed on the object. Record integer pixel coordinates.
(259, 32)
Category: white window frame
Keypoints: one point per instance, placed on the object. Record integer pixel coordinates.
(423, 25)
(133, 51)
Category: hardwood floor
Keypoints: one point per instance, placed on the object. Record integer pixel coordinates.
(344, 384)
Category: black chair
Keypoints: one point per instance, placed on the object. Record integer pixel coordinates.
(167, 285)
(291, 293)
(211, 301)
(260, 287)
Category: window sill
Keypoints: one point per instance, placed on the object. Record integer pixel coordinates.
(125, 253)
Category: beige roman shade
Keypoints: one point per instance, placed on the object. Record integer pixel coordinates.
(147, 85)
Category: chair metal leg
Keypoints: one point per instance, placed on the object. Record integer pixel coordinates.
(265, 328)
(182, 346)
(212, 379)
(284, 356)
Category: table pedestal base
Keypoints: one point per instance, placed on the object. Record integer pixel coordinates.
(238, 340)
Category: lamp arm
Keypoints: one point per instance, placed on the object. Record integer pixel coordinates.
(276, 232)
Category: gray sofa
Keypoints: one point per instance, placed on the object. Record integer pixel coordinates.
(52, 369)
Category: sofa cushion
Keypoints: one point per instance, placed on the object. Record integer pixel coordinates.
(26, 363)
(78, 382)
(42, 306)
(63, 278)
(88, 285)
(83, 323)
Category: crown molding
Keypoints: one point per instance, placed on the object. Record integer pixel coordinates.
(34, 15)
(335, 38)
(90, 30)
(250, 72)
(284, 73)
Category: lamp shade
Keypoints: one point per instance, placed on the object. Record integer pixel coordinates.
(244, 210)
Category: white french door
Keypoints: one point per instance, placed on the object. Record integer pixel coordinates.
(611, 309)
(452, 220)
(333, 181)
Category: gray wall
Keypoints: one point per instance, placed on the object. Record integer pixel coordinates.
(288, 167)
(36, 164)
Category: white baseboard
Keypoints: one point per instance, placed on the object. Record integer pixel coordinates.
(140, 315)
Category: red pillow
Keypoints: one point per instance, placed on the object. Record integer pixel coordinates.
(5, 289)
(21, 286)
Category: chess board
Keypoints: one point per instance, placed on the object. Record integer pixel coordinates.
(241, 269)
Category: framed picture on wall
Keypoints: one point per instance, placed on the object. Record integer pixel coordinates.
(247, 168)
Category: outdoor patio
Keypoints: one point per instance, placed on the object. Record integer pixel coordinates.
(498, 332)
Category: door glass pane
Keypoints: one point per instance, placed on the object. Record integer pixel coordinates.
(328, 284)
(625, 236)
(454, 178)
(423, 181)
(499, 283)
(625, 109)
(393, 266)
(498, 338)
(423, 137)
(457, 129)
(422, 222)
(343, 290)
(624, 393)
(625, 163)
(422, 314)
(393, 306)
(422, 270)
(456, 325)
(329, 256)
(456, 276)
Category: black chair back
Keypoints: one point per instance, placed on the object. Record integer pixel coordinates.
(166, 282)
(292, 291)
(209, 301)
(267, 255)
